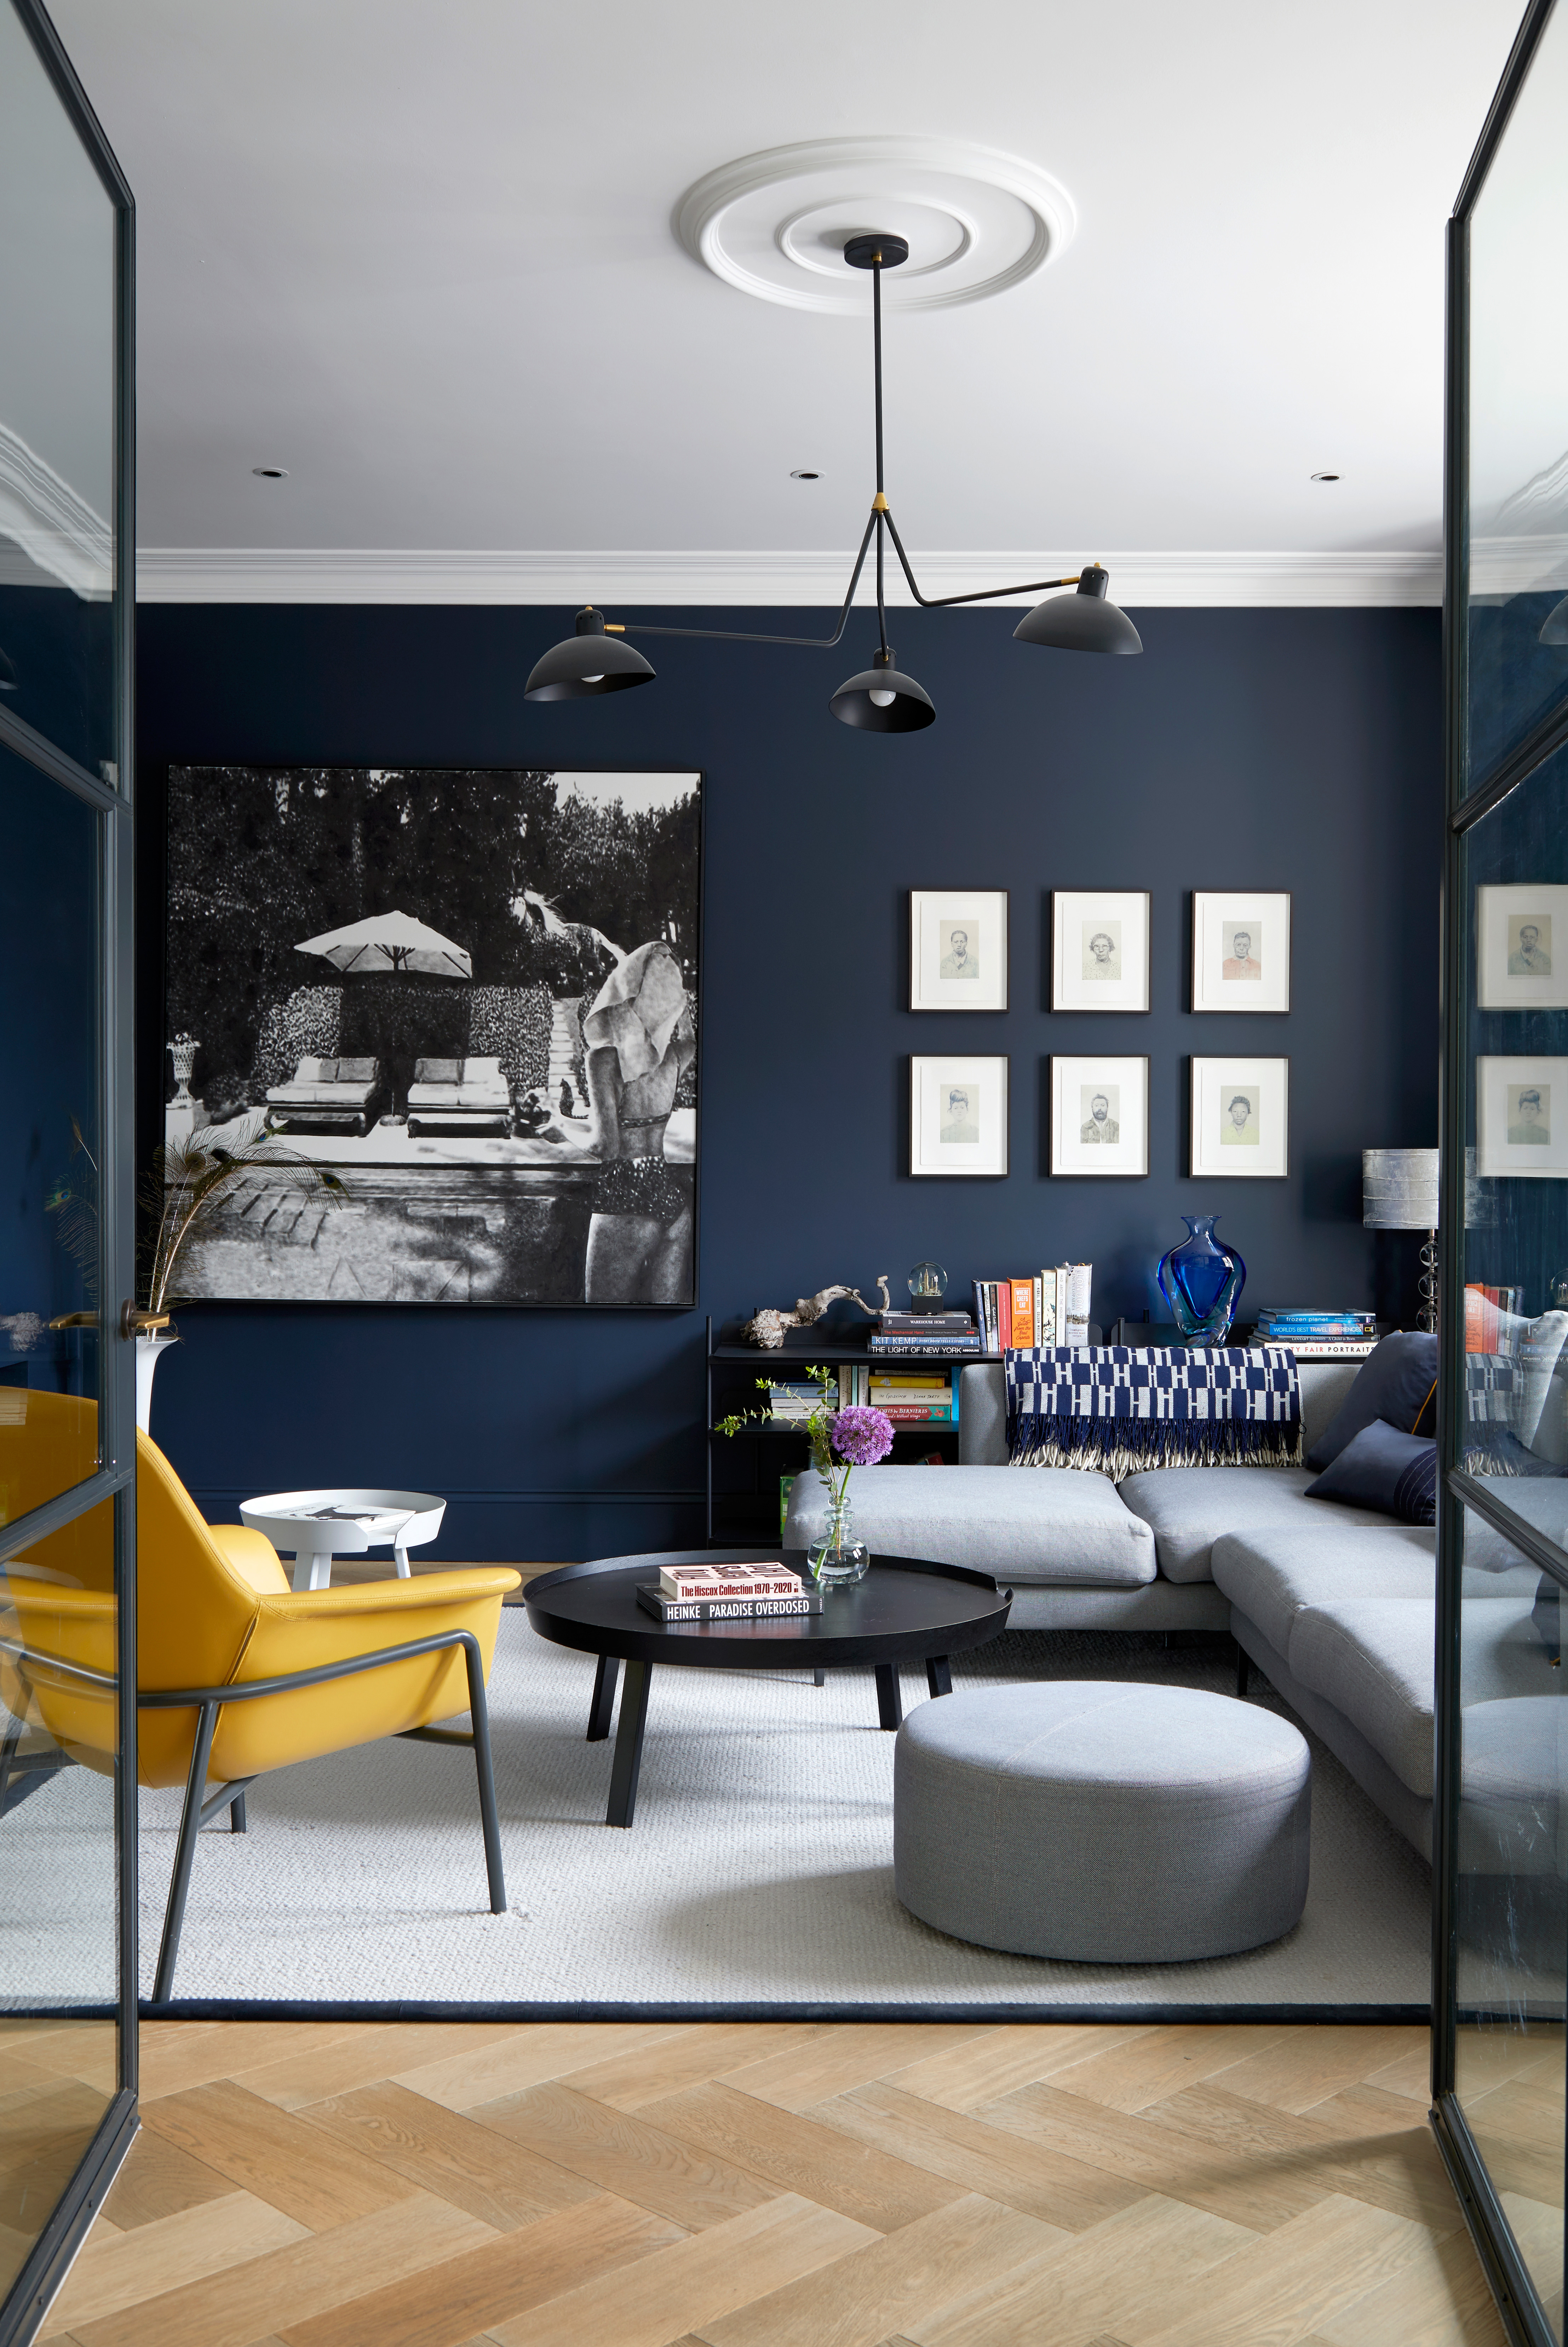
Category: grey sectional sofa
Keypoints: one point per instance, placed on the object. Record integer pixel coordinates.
(1336, 1604)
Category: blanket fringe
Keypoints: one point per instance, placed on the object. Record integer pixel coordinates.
(1099, 1445)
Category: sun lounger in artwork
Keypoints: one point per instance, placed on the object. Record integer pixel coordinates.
(456, 1095)
(326, 1096)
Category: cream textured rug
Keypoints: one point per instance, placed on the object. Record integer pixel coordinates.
(758, 1872)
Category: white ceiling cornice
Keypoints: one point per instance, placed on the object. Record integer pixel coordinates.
(255, 574)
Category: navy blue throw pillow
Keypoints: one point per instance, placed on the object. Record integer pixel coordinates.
(1386, 1469)
(1394, 1383)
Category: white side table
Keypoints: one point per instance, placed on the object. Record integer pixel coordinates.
(316, 1526)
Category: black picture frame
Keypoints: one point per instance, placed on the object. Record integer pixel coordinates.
(514, 1220)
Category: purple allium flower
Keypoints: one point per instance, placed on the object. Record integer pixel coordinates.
(862, 1436)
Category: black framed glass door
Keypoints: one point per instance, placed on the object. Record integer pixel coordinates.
(67, 1427)
(1500, 2071)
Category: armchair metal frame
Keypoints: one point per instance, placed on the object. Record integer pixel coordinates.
(208, 1701)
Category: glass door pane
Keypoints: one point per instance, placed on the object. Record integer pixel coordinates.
(68, 1459)
(1510, 1908)
(58, 557)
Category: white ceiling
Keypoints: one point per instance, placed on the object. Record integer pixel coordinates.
(422, 255)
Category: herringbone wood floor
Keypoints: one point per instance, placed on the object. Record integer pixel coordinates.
(778, 2185)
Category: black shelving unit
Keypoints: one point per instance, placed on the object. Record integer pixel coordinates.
(748, 1512)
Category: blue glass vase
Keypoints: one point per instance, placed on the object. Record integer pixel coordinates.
(1202, 1281)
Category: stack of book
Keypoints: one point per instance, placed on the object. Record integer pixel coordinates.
(1492, 1317)
(1311, 1334)
(793, 1401)
(727, 1593)
(914, 1398)
(1047, 1308)
(923, 1332)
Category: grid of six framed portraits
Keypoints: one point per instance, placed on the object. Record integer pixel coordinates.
(1099, 959)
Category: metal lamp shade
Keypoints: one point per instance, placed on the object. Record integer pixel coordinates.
(1399, 1189)
(1087, 622)
(585, 663)
(910, 708)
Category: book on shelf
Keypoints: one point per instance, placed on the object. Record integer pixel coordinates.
(1492, 1317)
(913, 1348)
(1323, 1349)
(1046, 1308)
(807, 1600)
(1301, 1322)
(923, 1322)
(905, 1413)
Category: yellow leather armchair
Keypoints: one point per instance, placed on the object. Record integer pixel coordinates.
(236, 1673)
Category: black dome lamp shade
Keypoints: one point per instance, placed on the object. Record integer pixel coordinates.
(1085, 623)
(590, 662)
(883, 699)
(880, 698)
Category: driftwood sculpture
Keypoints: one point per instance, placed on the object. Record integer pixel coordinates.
(767, 1327)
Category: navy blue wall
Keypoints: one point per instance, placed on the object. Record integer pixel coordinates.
(1276, 749)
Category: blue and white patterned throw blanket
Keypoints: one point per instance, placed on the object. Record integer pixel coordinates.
(1120, 1409)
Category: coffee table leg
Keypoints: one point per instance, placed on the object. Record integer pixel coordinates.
(889, 1710)
(938, 1678)
(628, 1745)
(603, 1704)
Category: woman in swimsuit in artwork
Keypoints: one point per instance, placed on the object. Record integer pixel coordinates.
(639, 1042)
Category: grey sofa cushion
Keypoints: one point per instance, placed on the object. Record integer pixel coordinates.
(1273, 1576)
(1372, 1658)
(1048, 1525)
(1190, 1508)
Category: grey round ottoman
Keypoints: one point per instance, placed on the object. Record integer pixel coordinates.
(1101, 1822)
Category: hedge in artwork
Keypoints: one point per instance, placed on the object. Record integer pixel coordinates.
(512, 1024)
(304, 1025)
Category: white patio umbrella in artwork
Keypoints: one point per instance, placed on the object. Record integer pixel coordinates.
(390, 942)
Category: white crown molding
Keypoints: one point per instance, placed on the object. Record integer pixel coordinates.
(49, 528)
(255, 574)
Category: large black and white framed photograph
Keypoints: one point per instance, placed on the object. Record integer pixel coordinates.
(958, 949)
(957, 1114)
(1099, 1114)
(474, 995)
(1240, 949)
(1521, 1117)
(1099, 949)
(1522, 946)
(1240, 1118)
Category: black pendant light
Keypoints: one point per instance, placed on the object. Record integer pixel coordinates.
(880, 698)
(1085, 623)
(883, 699)
(586, 662)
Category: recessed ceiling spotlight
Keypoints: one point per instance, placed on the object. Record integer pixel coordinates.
(269, 472)
(1326, 476)
(805, 476)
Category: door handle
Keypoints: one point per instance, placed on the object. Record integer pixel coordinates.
(135, 1322)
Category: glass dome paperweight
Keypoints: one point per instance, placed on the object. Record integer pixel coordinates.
(1202, 1280)
(928, 1285)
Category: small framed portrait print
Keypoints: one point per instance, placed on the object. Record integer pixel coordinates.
(957, 1114)
(1240, 949)
(957, 948)
(1521, 948)
(1240, 1112)
(1099, 1115)
(1099, 949)
(1521, 1117)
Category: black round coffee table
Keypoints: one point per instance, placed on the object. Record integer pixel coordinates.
(905, 1610)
